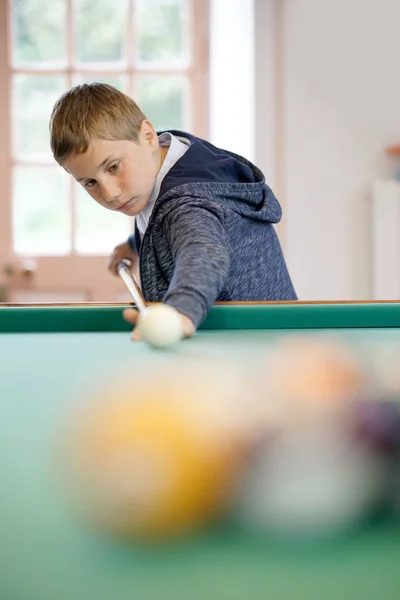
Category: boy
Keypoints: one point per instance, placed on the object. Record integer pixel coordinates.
(204, 216)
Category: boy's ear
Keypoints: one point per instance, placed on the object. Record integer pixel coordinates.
(148, 134)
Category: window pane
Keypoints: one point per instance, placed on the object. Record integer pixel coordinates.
(164, 100)
(39, 32)
(161, 28)
(98, 230)
(118, 81)
(100, 30)
(41, 214)
(33, 100)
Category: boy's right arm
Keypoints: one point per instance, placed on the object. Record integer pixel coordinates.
(194, 229)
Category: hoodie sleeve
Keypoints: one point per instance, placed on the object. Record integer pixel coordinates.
(196, 237)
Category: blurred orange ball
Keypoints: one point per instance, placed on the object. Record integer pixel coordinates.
(306, 378)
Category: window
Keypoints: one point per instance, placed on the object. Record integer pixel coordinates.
(153, 50)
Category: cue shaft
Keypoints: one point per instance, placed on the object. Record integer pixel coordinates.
(132, 285)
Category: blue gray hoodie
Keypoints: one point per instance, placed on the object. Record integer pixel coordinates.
(210, 236)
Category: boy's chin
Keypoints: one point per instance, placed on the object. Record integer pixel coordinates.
(134, 210)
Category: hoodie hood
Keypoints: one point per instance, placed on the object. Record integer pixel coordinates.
(207, 171)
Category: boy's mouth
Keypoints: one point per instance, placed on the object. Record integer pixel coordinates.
(124, 205)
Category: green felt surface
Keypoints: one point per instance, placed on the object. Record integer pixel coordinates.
(46, 555)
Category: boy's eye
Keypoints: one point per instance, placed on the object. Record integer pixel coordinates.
(114, 167)
(90, 183)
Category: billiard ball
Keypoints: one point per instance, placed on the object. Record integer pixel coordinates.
(377, 421)
(310, 485)
(160, 326)
(150, 460)
(305, 378)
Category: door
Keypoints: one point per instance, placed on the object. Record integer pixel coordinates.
(54, 239)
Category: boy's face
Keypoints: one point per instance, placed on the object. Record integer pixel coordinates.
(119, 175)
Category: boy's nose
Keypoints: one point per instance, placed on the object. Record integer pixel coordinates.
(111, 192)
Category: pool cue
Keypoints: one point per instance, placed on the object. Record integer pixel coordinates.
(128, 278)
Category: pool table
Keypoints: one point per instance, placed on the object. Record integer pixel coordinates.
(50, 351)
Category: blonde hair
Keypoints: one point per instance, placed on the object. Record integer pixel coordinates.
(89, 111)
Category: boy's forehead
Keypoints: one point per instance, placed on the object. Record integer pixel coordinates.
(97, 147)
(98, 153)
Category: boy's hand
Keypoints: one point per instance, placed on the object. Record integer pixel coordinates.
(131, 316)
(123, 251)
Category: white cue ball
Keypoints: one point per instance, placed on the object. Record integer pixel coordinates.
(160, 326)
(312, 484)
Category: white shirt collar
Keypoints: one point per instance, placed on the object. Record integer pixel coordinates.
(177, 148)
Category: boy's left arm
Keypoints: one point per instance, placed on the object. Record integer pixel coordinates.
(196, 236)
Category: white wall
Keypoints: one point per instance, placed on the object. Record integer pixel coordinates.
(266, 63)
(232, 76)
(341, 108)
